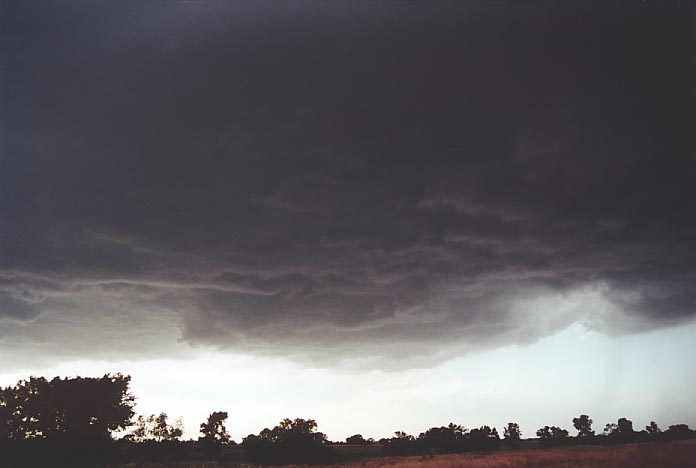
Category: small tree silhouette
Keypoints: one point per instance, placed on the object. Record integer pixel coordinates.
(552, 435)
(621, 431)
(625, 426)
(214, 434)
(214, 429)
(483, 439)
(610, 428)
(652, 429)
(156, 428)
(512, 435)
(583, 424)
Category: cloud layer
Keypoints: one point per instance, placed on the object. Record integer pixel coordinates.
(380, 182)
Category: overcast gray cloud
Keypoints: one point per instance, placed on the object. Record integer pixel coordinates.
(389, 181)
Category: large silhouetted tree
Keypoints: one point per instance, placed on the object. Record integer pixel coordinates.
(583, 424)
(75, 407)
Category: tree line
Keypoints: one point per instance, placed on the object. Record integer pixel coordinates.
(78, 419)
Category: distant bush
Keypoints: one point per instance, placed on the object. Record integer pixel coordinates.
(358, 439)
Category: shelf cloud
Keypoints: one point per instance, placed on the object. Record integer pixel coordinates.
(345, 182)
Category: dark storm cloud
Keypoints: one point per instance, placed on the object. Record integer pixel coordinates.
(334, 179)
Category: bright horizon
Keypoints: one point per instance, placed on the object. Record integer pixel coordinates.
(545, 383)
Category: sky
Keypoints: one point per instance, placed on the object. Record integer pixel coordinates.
(381, 215)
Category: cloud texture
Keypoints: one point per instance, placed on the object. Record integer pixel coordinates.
(387, 182)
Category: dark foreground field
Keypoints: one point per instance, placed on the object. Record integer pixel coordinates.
(648, 455)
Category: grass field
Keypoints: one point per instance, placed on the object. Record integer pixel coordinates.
(657, 455)
(647, 455)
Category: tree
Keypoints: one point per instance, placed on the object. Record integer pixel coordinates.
(621, 431)
(512, 435)
(552, 435)
(72, 407)
(214, 434)
(401, 444)
(162, 430)
(652, 429)
(140, 430)
(292, 441)
(625, 426)
(356, 439)
(483, 439)
(214, 429)
(678, 431)
(156, 428)
(583, 424)
(558, 434)
(448, 438)
(611, 428)
(11, 424)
